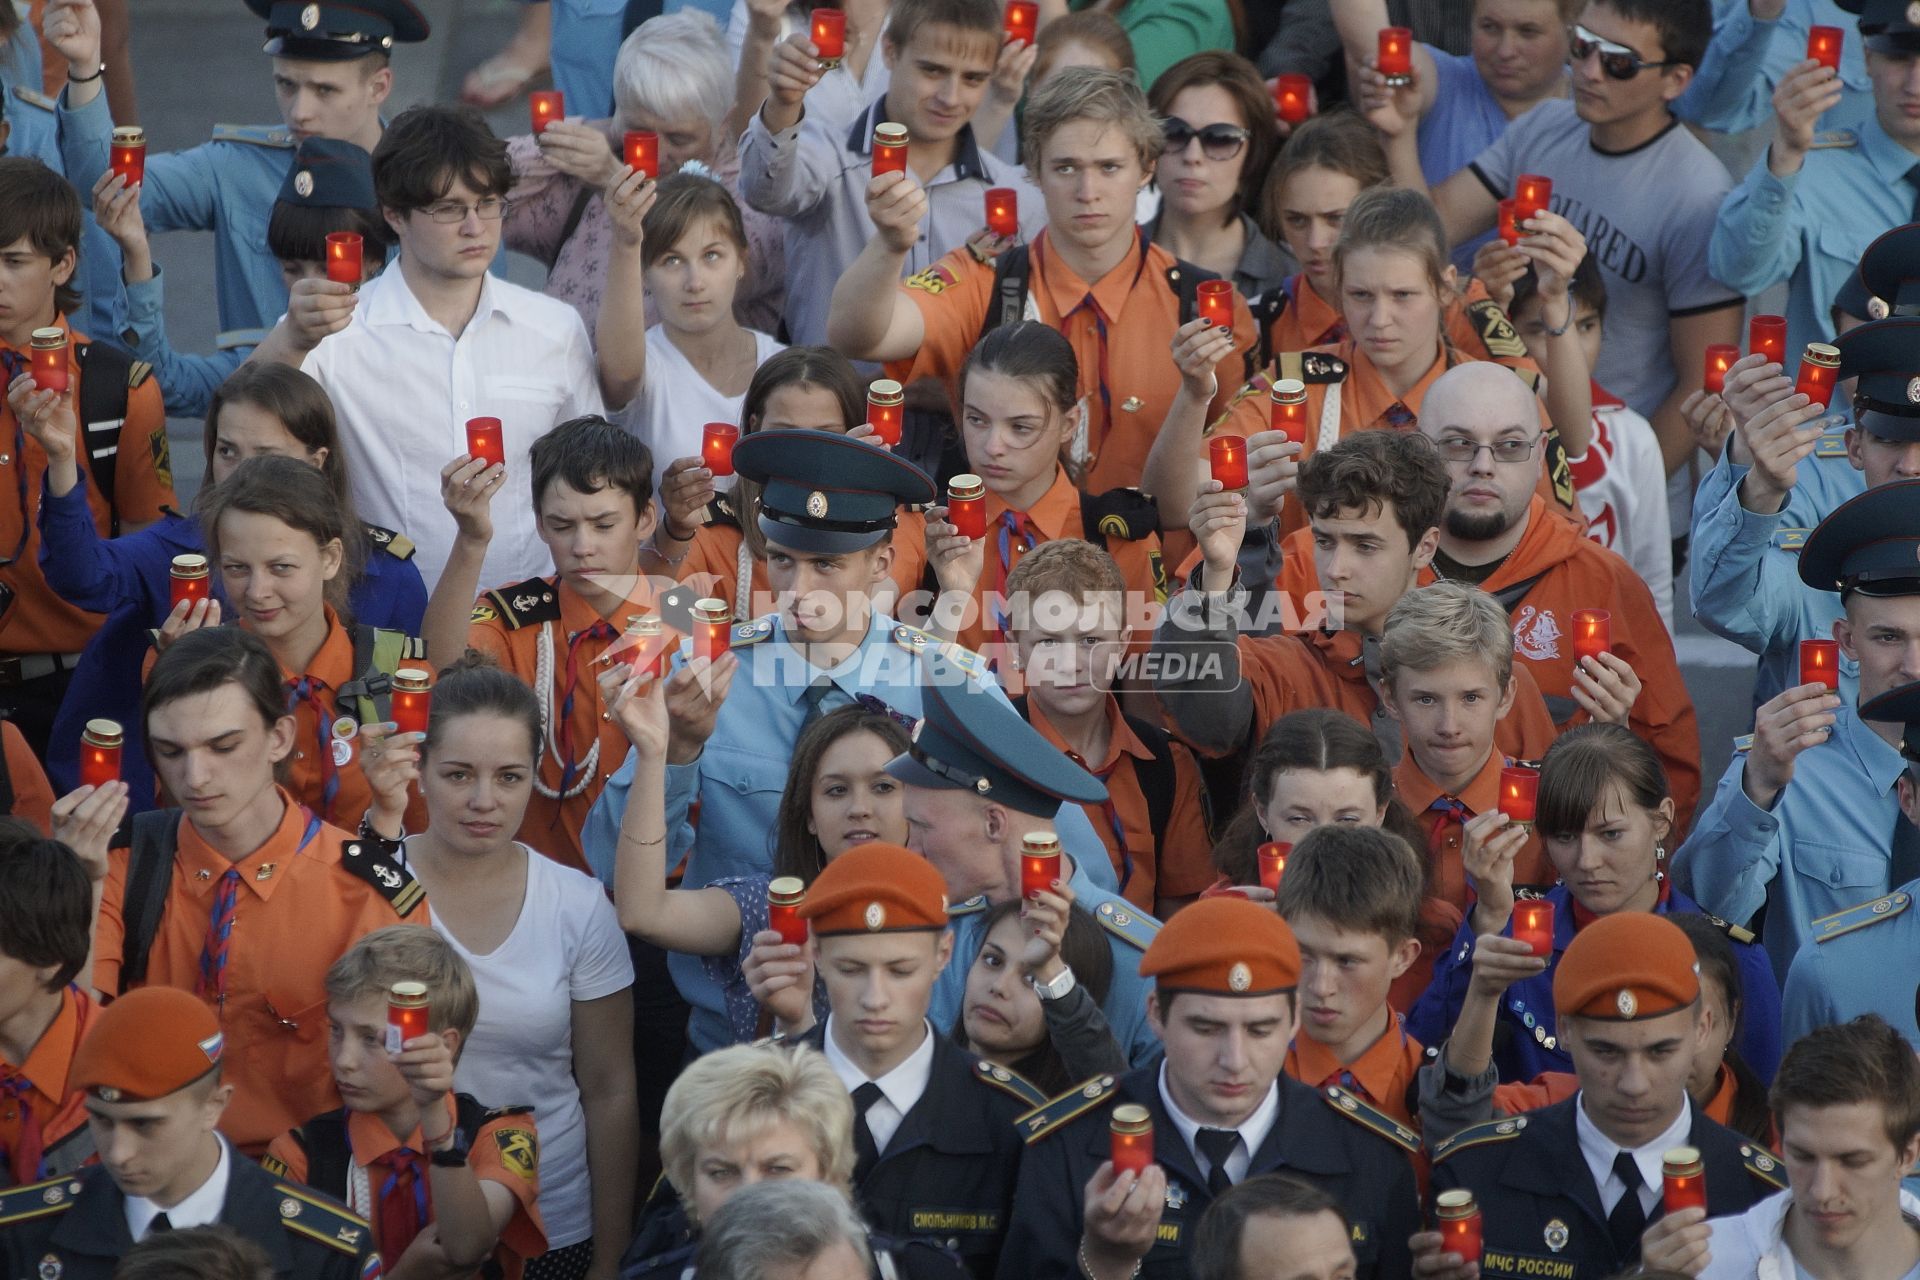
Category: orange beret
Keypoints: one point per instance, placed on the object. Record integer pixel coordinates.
(1224, 946)
(145, 1045)
(1632, 964)
(876, 888)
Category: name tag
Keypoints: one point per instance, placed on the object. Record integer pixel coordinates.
(941, 1221)
(1532, 1265)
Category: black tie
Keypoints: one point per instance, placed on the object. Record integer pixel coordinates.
(820, 697)
(161, 1222)
(1216, 1145)
(1628, 1218)
(1913, 176)
(866, 1152)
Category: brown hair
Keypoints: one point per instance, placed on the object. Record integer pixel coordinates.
(1864, 1060)
(41, 207)
(796, 850)
(297, 401)
(1083, 949)
(1395, 218)
(1091, 27)
(1080, 571)
(821, 367)
(1357, 879)
(1340, 141)
(298, 496)
(1239, 80)
(195, 1253)
(204, 660)
(974, 17)
(684, 201)
(1713, 952)
(1369, 469)
(409, 953)
(1033, 353)
(426, 148)
(1090, 93)
(1581, 764)
(476, 685)
(1216, 1241)
(46, 903)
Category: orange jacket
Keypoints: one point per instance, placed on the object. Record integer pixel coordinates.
(1442, 816)
(61, 1113)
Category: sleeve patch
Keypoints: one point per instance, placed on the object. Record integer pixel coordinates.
(1496, 330)
(519, 1150)
(936, 279)
(368, 860)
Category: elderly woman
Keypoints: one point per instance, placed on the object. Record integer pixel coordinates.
(673, 77)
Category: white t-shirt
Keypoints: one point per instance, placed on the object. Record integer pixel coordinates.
(1622, 483)
(566, 946)
(676, 403)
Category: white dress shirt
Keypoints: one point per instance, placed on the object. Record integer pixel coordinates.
(200, 1209)
(1600, 1150)
(900, 1088)
(403, 388)
(1253, 1130)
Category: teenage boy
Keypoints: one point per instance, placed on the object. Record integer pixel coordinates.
(436, 340)
(1067, 610)
(1274, 1227)
(404, 1128)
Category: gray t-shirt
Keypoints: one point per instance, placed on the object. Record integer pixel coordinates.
(1647, 215)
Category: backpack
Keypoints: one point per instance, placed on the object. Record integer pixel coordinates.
(107, 375)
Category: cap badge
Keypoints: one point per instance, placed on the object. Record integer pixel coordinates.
(289, 1208)
(212, 1046)
(107, 1093)
(310, 17)
(1876, 308)
(53, 1195)
(876, 916)
(50, 1267)
(1913, 384)
(1239, 978)
(1556, 1235)
(303, 184)
(1625, 1002)
(817, 505)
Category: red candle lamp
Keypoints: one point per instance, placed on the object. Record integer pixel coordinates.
(406, 1014)
(412, 699)
(886, 404)
(1683, 1180)
(1519, 786)
(641, 148)
(1273, 863)
(1293, 96)
(712, 628)
(128, 157)
(49, 353)
(1820, 663)
(1509, 228)
(486, 441)
(1823, 46)
(1288, 406)
(100, 745)
(1132, 1128)
(889, 148)
(188, 579)
(1819, 371)
(1215, 302)
(1039, 862)
(967, 506)
(1720, 358)
(716, 447)
(1395, 60)
(1767, 336)
(1533, 925)
(646, 648)
(784, 897)
(1531, 195)
(1592, 633)
(1003, 212)
(1458, 1218)
(1022, 20)
(827, 28)
(548, 105)
(1229, 461)
(345, 251)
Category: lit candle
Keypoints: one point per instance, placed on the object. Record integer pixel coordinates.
(1819, 369)
(187, 579)
(1683, 1180)
(1823, 46)
(406, 1014)
(1273, 863)
(1592, 633)
(1293, 95)
(344, 257)
(889, 148)
(129, 155)
(967, 506)
(1132, 1129)
(548, 105)
(1519, 785)
(886, 403)
(1767, 336)
(412, 700)
(1229, 455)
(100, 752)
(646, 649)
(1509, 229)
(1396, 55)
(1039, 862)
(1720, 358)
(784, 897)
(1003, 212)
(712, 628)
(827, 28)
(49, 351)
(1820, 663)
(1215, 302)
(1022, 20)
(1533, 924)
(716, 447)
(1459, 1221)
(1531, 195)
(642, 149)
(1288, 408)
(486, 442)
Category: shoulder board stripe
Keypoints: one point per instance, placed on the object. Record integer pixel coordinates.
(1479, 1135)
(37, 1200)
(341, 1229)
(34, 97)
(1352, 1108)
(1009, 1081)
(1743, 743)
(231, 338)
(300, 1228)
(1841, 923)
(1790, 539)
(1733, 931)
(1127, 923)
(1044, 1119)
(1831, 445)
(1763, 1165)
(972, 906)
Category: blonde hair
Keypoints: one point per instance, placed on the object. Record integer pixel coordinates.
(409, 953)
(1090, 93)
(1077, 570)
(1395, 218)
(1446, 622)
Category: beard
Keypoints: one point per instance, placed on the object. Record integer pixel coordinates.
(1469, 527)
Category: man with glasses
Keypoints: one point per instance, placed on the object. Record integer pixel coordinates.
(434, 340)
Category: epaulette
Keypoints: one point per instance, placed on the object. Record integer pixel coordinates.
(750, 633)
(304, 1213)
(275, 1165)
(972, 906)
(368, 860)
(1834, 139)
(232, 339)
(1790, 539)
(1497, 333)
(1311, 366)
(34, 98)
(1122, 921)
(1369, 1117)
(1008, 1081)
(413, 649)
(254, 135)
(1053, 1113)
(501, 1113)
(1479, 1135)
(1840, 923)
(1733, 931)
(138, 371)
(397, 545)
(1126, 514)
(1763, 1165)
(1831, 445)
(917, 641)
(37, 1200)
(1743, 744)
(524, 604)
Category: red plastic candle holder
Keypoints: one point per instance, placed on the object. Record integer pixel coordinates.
(345, 257)
(646, 648)
(1229, 461)
(188, 579)
(547, 105)
(406, 1014)
(1592, 633)
(827, 28)
(1823, 45)
(1819, 372)
(1767, 336)
(716, 447)
(49, 354)
(412, 700)
(1022, 20)
(1683, 1180)
(1509, 228)
(1132, 1128)
(886, 407)
(1820, 663)
(889, 148)
(128, 157)
(100, 744)
(1532, 194)
(1273, 863)
(1214, 299)
(967, 506)
(487, 441)
(1533, 925)
(1395, 60)
(1519, 786)
(641, 147)
(1293, 97)
(1720, 358)
(1458, 1218)
(1003, 212)
(1039, 863)
(1287, 404)
(784, 897)
(712, 628)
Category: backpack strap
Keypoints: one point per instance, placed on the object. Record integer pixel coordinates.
(1012, 271)
(107, 374)
(377, 654)
(156, 836)
(1156, 778)
(1266, 311)
(6, 784)
(329, 1154)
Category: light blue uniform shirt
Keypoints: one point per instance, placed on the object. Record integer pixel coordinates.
(1746, 566)
(1733, 89)
(1867, 968)
(1811, 227)
(1822, 848)
(1463, 121)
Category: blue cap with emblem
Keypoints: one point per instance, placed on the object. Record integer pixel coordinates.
(1883, 358)
(329, 174)
(338, 30)
(1889, 274)
(1869, 544)
(1901, 706)
(970, 740)
(1890, 26)
(823, 493)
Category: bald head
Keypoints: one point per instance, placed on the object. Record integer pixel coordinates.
(1477, 395)
(1471, 411)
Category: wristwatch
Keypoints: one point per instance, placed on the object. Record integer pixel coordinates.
(1058, 989)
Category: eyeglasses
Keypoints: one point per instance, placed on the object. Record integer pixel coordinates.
(490, 209)
(1217, 141)
(1461, 449)
(1616, 60)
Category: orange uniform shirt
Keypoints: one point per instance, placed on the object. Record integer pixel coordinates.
(32, 793)
(714, 558)
(1176, 863)
(1121, 328)
(1474, 324)
(40, 621)
(1384, 1076)
(42, 1098)
(299, 907)
(1443, 815)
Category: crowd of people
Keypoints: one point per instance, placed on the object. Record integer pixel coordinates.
(1048, 652)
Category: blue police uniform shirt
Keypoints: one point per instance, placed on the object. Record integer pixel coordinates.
(1464, 120)
(1733, 89)
(1822, 848)
(1746, 566)
(1810, 227)
(187, 380)
(1866, 967)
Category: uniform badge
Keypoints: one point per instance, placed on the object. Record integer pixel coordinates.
(876, 916)
(1093, 1087)
(1132, 404)
(345, 727)
(1625, 1002)
(817, 505)
(53, 1195)
(517, 1151)
(303, 184)
(1239, 978)
(1913, 384)
(1176, 1196)
(203, 875)
(1876, 308)
(1556, 1234)
(342, 753)
(50, 1267)
(106, 1093)
(310, 17)
(289, 1208)
(265, 871)
(212, 1046)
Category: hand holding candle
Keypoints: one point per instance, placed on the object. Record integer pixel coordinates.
(1823, 46)
(1509, 225)
(100, 744)
(49, 355)
(1532, 194)
(716, 447)
(486, 441)
(188, 580)
(1214, 301)
(1592, 633)
(648, 651)
(1819, 371)
(712, 628)
(1720, 358)
(406, 1014)
(642, 150)
(1293, 97)
(1003, 212)
(1395, 59)
(784, 896)
(1519, 787)
(827, 28)
(547, 106)
(129, 155)
(1683, 1180)
(1273, 863)
(1767, 336)
(1288, 408)
(1039, 863)
(1022, 20)
(889, 148)
(1131, 1127)
(1820, 663)
(1229, 461)
(1533, 925)
(345, 257)
(886, 404)
(1458, 1219)
(967, 506)
(412, 700)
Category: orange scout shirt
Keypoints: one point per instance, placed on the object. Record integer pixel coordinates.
(714, 556)
(32, 793)
(42, 1096)
(1473, 322)
(1384, 1076)
(1442, 816)
(300, 905)
(40, 621)
(1121, 329)
(1180, 865)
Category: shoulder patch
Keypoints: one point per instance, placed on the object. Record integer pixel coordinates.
(524, 604)
(37, 1200)
(138, 372)
(34, 98)
(519, 1147)
(1790, 539)
(368, 859)
(750, 633)
(1831, 445)
(253, 135)
(275, 1166)
(1368, 1117)
(1763, 1165)
(972, 906)
(1835, 140)
(1055, 1112)
(936, 279)
(1841, 923)
(397, 545)
(921, 642)
(1743, 744)
(1008, 1081)
(306, 1214)
(1479, 1135)
(1127, 514)
(1496, 331)
(1733, 931)
(1124, 921)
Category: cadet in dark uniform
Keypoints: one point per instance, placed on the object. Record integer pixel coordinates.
(1224, 973)
(1565, 1192)
(150, 1069)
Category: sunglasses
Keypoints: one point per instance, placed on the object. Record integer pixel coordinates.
(1217, 141)
(1616, 60)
